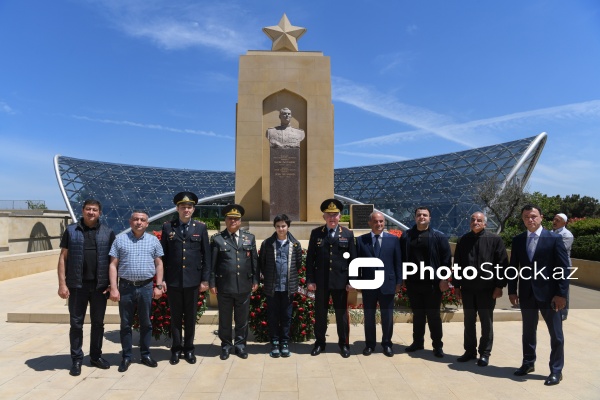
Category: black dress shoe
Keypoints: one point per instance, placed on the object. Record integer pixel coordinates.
(553, 379)
(125, 363)
(413, 347)
(483, 361)
(345, 351)
(75, 368)
(467, 357)
(190, 357)
(438, 352)
(524, 370)
(174, 358)
(367, 351)
(149, 362)
(100, 363)
(317, 350)
(387, 350)
(224, 354)
(241, 353)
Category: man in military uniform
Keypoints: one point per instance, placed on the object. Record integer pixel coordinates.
(330, 250)
(233, 277)
(187, 267)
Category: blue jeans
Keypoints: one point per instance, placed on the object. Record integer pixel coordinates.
(78, 301)
(132, 296)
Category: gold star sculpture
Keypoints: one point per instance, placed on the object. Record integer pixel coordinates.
(284, 35)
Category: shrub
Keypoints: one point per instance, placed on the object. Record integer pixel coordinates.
(586, 247)
(585, 227)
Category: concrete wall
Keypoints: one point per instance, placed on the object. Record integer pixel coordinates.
(26, 231)
(17, 265)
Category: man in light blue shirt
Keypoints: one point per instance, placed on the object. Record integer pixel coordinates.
(135, 260)
(559, 226)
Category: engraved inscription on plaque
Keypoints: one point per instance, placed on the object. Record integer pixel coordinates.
(359, 215)
(285, 183)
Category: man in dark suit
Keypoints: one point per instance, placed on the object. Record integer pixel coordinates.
(386, 247)
(484, 251)
(541, 285)
(233, 277)
(330, 250)
(187, 267)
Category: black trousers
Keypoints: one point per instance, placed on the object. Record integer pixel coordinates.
(386, 308)
(340, 304)
(279, 314)
(425, 302)
(553, 319)
(237, 304)
(184, 307)
(78, 301)
(479, 303)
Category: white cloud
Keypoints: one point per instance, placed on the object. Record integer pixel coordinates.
(151, 126)
(180, 24)
(5, 108)
(378, 156)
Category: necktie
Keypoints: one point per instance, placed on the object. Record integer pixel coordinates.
(234, 238)
(376, 245)
(184, 229)
(331, 233)
(531, 245)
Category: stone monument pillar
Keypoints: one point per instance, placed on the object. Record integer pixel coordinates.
(268, 82)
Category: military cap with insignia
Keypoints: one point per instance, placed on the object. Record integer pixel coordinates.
(233, 210)
(332, 206)
(185, 197)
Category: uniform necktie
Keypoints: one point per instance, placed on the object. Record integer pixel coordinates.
(376, 245)
(531, 245)
(184, 229)
(331, 233)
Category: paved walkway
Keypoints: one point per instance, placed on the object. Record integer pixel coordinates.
(34, 362)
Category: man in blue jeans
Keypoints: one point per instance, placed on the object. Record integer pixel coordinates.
(83, 278)
(135, 259)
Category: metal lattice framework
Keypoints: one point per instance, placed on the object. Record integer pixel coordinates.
(446, 183)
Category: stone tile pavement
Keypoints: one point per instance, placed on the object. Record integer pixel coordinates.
(34, 363)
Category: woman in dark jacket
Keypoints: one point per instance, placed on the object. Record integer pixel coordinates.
(280, 259)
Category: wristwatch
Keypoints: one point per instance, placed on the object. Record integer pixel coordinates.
(159, 287)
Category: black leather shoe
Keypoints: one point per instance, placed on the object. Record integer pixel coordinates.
(125, 363)
(438, 352)
(524, 370)
(224, 354)
(241, 353)
(387, 350)
(318, 349)
(483, 361)
(553, 379)
(413, 347)
(174, 358)
(467, 357)
(190, 357)
(149, 362)
(100, 363)
(75, 368)
(345, 351)
(367, 351)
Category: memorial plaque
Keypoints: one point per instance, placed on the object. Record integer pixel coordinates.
(359, 215)
(285, 183)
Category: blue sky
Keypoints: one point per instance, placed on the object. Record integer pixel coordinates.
(155, 82)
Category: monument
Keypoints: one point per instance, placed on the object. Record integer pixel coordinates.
(270, 81)
(284, 141)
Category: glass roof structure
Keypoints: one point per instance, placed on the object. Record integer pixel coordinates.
(446, 183)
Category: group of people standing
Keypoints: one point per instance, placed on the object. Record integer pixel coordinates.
(135, 267)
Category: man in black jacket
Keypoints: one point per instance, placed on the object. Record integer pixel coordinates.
(187, 266)
(481, 287)
(330, 250)
(424, 246)
(233, 277)
(83, 278)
